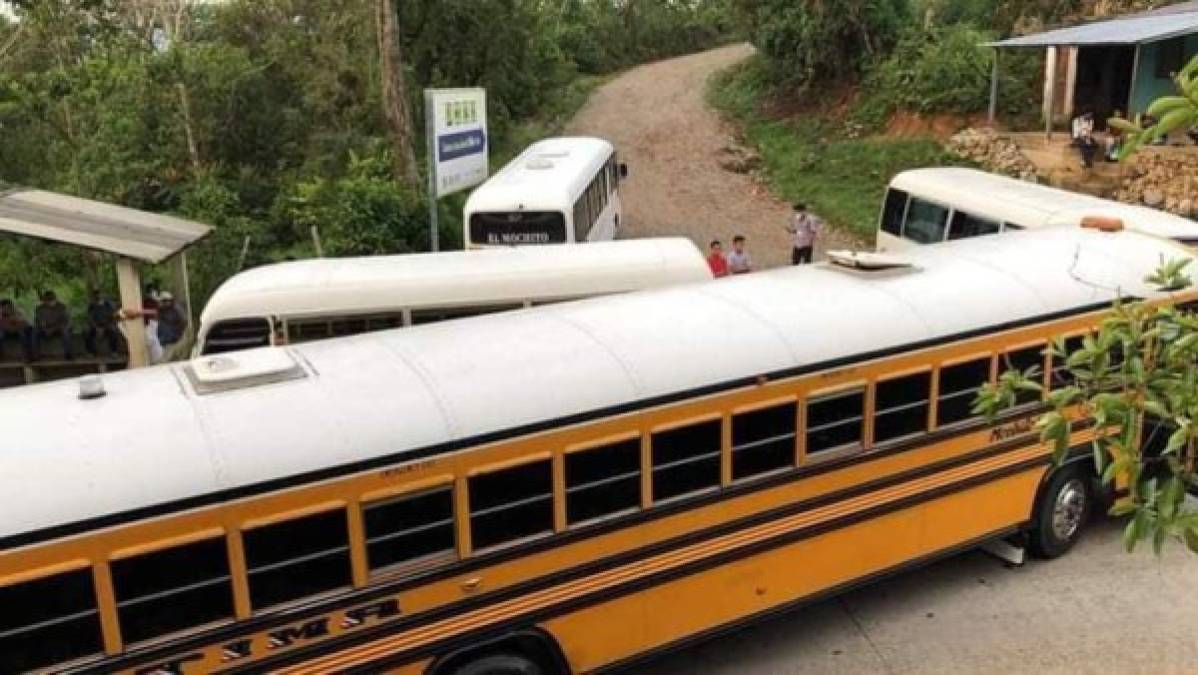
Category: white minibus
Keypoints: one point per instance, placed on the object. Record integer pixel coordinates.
(926, 206)
(558, 191)
(329, 297)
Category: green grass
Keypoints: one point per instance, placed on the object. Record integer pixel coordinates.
(841, 179)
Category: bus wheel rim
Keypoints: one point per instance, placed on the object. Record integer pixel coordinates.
(1068, 510)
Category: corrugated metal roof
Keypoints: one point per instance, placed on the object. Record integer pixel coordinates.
(1127, 31)
(149, 237)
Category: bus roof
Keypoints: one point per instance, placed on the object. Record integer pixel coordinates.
(347, 286)
(548, 176)
(1032, 205)
(378, 399)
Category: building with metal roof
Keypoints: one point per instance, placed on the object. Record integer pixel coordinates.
(1120, 64)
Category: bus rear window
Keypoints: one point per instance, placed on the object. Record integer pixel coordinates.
(511, 229)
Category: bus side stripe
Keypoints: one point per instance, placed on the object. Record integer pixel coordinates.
(989, 454)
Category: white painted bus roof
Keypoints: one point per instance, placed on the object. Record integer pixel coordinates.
(516, 187)
(152, 440)
(1032, 205)
(342, 286)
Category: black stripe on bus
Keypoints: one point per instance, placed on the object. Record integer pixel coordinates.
(599, 596)
(298, 614)
(406, 456)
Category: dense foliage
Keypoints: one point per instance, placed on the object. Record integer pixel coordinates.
(1135, 381)
(941, 69)
(816, 42)
(264, 117)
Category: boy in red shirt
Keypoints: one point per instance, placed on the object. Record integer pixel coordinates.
(716, 260)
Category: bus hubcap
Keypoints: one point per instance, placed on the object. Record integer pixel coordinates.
(1068, 510)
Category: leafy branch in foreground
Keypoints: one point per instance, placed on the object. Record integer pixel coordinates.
(1134, 381)
(1168, 113)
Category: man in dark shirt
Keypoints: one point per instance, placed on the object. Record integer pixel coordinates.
(101, 322)
(52, 320)
(171, 322)
(14, 326)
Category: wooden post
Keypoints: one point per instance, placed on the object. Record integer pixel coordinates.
(1131, 92)
(1050, 90)
(182, 289)
(993, 88)
(1070, 101)
(135, 328)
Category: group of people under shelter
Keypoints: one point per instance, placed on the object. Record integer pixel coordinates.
(166, 323)
(803, 226)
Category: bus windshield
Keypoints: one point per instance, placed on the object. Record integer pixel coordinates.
(533, 227)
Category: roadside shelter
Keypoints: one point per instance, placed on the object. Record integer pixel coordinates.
(132, 236)
(1120, 64)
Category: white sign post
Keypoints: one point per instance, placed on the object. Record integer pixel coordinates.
(456, 121)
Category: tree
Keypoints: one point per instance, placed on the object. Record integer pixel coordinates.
(395, 96)
(1135, 380)
(1168, 113)
(815, 43)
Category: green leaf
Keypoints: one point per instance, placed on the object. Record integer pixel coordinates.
(1191, 537)
(1130, 536)
(1158, 541)
(1167, 104)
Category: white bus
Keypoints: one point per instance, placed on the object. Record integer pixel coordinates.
(926, 206)
(558, 191)
(314, 299)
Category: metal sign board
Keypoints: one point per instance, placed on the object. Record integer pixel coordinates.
(457, 139)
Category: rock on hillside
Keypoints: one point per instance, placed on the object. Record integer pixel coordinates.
(992, 152)
(1164, 180)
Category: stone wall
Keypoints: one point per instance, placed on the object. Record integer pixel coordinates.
(1163, 178)
(987, 148)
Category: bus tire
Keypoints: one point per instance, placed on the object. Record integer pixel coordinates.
(499, 664)
(1061, 512)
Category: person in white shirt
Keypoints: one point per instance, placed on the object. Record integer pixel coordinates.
(738, 259)
(154, 351)
(805, 227)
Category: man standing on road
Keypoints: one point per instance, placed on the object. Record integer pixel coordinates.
(805, 227)
(738, 259)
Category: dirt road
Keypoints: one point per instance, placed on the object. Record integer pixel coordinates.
(673, 143)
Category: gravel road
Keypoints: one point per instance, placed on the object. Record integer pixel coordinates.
(672, 142)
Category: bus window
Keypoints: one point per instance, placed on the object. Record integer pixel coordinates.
(236, 334)
(686, 459)
(925, 222)
(508, 229)
(893, 211)
(835, 421)
(48, 621)
(173, 589)
(1024, 360)
(306, 331)
(603, 481)
(1061, 376)
(763, 440)
(959, 385)
(965, 226)
(410, 528)
(901, 407)
(437, 314)
(297, 558)
(511, 504)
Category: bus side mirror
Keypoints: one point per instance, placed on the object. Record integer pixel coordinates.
(623, 170)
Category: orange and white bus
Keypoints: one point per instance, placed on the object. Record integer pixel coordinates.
(518, 493)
